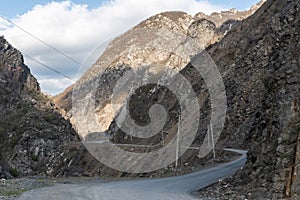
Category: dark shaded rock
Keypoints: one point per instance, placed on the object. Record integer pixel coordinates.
(34, 137)
(261, 74)
(14, 71)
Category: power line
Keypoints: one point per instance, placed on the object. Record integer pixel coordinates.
(45, 43)
(47, 66)
(53, 48)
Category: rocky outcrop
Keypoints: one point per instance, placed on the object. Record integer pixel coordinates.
(14, 71)
(226, 17)
(34, 137)
(31, 133)
(260, 63)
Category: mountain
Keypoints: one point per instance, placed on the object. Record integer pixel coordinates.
(166, 40)
(34, 137)
(257, 54)
(32, 133)
(258, 58)
(149, 43)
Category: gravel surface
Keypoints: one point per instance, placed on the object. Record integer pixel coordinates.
(12, 188)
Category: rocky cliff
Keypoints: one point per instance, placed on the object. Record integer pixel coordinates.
(13, 71)
(34, 138)
(260, 63)
(30, 130)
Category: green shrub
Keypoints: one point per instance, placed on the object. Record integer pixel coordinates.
(26, 108)
(34, 157)
(14, 172)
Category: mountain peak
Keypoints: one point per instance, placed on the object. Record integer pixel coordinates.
(13, 71)
(172, 20)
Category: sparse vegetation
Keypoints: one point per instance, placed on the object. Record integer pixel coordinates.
(51, 118)
(15, 192)
(14, 172)
(34, 157)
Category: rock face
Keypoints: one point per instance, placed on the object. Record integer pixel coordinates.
(226, 17)
(259, 60)
(32, 134)
(13, 69)
(34, 138)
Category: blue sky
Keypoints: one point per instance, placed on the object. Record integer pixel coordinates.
(79, 26)
(12, 8)
(239, 4)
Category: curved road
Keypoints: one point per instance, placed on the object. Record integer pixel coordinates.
(171, 188)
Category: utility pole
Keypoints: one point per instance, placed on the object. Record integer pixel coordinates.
(212, 139)
(177, 143)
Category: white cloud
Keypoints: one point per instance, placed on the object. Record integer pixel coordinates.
(3, 24)
(52, 85)
(75, 30)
